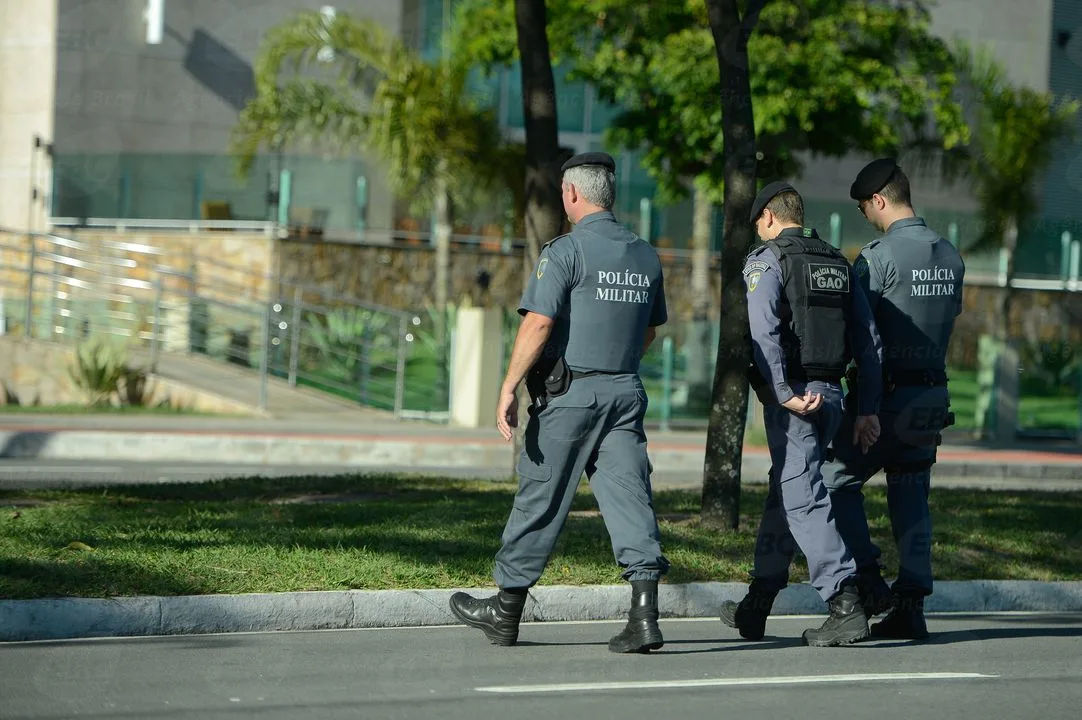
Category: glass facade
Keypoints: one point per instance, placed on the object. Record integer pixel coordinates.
(189, 186)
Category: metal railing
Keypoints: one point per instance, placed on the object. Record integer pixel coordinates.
(72, 290)
(120, 224)
(304, 335)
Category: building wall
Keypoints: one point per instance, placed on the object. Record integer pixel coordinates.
(143, 130)
(1063, 184)
(27, 65)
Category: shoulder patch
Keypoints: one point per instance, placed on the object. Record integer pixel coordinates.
(756, 266)
(753, 281)
(872, 244)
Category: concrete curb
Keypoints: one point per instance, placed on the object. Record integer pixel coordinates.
(377, 452)
(66, 618)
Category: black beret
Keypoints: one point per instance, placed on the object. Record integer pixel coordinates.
(591, 158)
(872, 178)
(766, 195)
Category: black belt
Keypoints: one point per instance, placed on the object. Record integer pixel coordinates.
(579, 374)
(541, 399)
(926, 378)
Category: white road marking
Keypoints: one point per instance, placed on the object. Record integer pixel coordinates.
(716, 682)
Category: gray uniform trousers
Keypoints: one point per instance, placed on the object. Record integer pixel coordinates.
(595, 427)
(798, 506)
(909, 420)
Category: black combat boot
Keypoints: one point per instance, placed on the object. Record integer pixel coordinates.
(846, 624)
(497, 616)
(905, 621)
(641, 634)
(875, 594)
(749, 616)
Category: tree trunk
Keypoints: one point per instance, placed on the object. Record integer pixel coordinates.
(729, 407)
(442, 232)
(1003, 304)
(442, 223)
(544, 208)
(702, 215)
(698, 336)
(1007, 365)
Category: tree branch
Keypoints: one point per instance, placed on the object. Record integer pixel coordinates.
(751, 16)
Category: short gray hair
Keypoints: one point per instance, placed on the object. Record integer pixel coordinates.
(596, 184)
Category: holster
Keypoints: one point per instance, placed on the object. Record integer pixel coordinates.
(547, 379)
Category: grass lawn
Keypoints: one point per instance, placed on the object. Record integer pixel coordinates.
(1035, 410)
(425, 388)
(319, 533)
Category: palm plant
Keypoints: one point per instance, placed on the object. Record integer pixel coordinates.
(1015, 131)
(438, 144)
(342, 340)
(97, 368)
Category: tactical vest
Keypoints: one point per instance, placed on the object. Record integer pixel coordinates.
(817, 307)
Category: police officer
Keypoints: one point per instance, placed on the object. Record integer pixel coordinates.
(590, 312)
(913, 280)
(808, 319)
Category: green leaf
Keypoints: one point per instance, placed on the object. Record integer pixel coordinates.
(1015, 132)
(376, 95)
(827, 76)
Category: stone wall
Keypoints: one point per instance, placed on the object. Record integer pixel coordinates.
(1037, 316)
(246, 267)
(229, 267)
(402, 277)
(35, 373)
(232, 266)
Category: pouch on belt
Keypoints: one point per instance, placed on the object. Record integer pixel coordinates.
(548, 379)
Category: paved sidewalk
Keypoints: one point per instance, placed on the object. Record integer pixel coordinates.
(378, 441)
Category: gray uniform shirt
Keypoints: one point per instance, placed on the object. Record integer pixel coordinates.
(603, 285)
(913, 280)
(763, 280)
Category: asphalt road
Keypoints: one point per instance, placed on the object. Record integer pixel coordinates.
(1003, 666)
